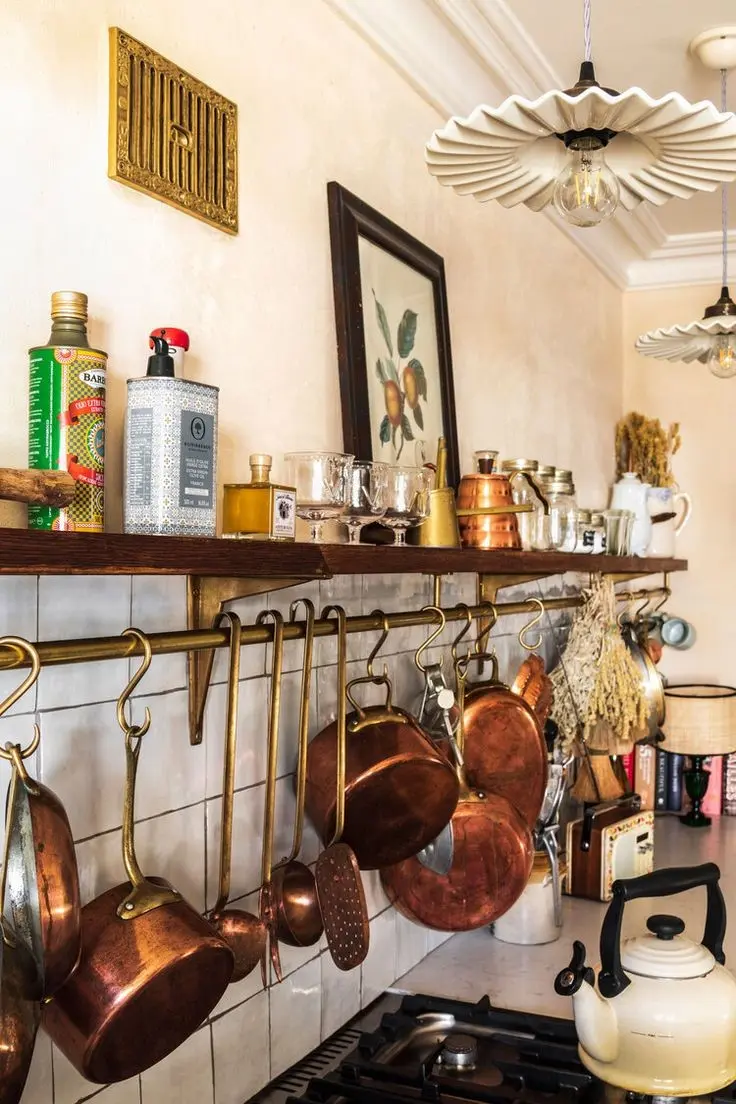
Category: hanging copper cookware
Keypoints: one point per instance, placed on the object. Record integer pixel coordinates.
(243, 932)
(42, 881)
(491, 861)
(293, 887)
(20, 982)
(400, 789)
(505, 752)
(151, 968)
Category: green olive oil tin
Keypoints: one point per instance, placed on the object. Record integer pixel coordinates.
(67, 416)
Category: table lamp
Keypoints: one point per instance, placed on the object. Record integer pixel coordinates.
(699, 721)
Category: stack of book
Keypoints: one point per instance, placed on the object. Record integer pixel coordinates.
(658, 781)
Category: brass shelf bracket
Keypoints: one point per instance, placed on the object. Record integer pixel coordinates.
(207, 595)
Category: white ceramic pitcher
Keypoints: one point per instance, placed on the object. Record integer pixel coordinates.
(665, 500)
(631, 494)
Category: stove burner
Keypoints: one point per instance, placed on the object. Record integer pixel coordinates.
(460, 1052)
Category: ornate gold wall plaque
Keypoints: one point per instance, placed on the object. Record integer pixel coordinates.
(170, 135)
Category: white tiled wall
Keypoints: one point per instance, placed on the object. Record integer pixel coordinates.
(253, 1034)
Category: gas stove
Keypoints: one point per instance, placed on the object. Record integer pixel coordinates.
(440, 1051)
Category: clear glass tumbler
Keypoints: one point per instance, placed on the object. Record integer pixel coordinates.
(367, 496)
(408, 499)
(322, 481)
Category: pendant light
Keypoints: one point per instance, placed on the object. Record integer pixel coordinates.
(712, 339)
(586, 149)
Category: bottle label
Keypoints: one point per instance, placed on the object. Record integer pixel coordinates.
(196, 475)
(67, 433)
(139, 446)
(283, 523)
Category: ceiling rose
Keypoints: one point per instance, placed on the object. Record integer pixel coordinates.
(586, 148)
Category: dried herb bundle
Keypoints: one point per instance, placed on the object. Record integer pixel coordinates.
(617, 708)
(644, 446)
(575, 675)
(597, 687)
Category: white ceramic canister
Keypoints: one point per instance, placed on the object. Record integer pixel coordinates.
(170, 453)
(631, 494)
(665, 500)
(531, 919)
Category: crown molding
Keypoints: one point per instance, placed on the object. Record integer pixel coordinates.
(459, 53)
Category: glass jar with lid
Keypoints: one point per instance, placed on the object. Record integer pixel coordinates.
(598, 525)
(563, 515)
(586, 533)
(526, 491)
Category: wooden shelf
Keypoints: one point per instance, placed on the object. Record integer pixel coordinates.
(28, 552)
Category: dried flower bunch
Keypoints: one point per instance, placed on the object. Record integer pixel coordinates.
(644, 446)
(597, 686)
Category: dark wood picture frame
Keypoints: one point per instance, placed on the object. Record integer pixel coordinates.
(350, 219)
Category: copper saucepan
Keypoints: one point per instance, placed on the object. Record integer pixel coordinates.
(505, 752)
(492, 859)
(20, 982)
(400, 790)
(42, 878)
(151, 968)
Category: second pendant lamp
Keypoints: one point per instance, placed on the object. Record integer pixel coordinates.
(711, 339)
(588, 149)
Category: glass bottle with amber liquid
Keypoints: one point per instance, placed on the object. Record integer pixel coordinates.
(259, 510)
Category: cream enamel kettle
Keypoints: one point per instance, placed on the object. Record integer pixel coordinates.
(660, 1018)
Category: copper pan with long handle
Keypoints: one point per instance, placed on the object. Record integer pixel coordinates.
(42, 893)
(19, 982)
(151, 968)
(492, 859)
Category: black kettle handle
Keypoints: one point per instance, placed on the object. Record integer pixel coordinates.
(660, 883)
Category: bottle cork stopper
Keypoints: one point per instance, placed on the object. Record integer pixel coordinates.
(69, 305)
(260, 466)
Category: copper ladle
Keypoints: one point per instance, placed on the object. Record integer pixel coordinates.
(243, 932)
(296, 912)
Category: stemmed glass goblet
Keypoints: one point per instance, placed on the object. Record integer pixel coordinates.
(322, 481)
(408, 499)
(367, 496)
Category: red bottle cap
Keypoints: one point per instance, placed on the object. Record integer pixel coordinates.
(178, 338)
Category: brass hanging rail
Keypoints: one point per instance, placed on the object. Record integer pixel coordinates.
(84, 650)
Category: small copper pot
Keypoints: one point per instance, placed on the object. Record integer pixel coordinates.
(485, 491)
(400, 791)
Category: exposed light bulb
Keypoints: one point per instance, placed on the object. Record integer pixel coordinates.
(722, 359)
(586, 191)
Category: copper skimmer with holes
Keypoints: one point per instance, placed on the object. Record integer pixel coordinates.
(244, 933)
(293, 888)
(339, 885)
(266, 906)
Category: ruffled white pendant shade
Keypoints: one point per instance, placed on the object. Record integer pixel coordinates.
(697, 340)
(657, 149)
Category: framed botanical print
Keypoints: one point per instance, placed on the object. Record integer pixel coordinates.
(393, 338)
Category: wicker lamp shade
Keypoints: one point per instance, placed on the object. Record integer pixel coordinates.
(700, 720)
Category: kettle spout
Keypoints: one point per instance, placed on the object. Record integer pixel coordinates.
(595, 1017)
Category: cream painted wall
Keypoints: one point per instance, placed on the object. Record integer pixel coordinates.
(536, 330)
(706, 409)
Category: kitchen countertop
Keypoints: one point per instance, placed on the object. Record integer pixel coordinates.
(474, 963)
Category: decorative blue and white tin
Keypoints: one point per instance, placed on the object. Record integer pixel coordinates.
(171, 457)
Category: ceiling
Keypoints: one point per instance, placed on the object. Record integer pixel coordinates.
(458, 53)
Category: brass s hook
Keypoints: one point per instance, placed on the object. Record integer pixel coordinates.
(534, 621)
(666, 596)
(481, 640)
(432, 636)
(131, 729)
(464, 630)
(385, 630)
(27, 649)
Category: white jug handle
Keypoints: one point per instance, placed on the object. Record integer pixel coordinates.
(682, 496)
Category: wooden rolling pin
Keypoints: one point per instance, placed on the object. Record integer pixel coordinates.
(40, 488)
